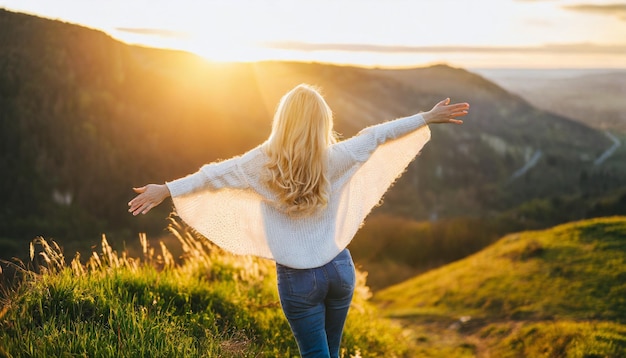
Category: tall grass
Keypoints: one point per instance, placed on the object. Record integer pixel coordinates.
(208, 304)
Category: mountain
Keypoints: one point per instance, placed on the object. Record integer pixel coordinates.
(556, 290)
(83, 118)
(595, 96)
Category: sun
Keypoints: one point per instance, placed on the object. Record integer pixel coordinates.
(219, 31)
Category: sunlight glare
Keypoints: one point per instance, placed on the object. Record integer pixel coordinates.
(237, 30)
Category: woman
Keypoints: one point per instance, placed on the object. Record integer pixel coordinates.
(298, 199)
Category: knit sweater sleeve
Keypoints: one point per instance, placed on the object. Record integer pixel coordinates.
(214, 176)
(366, 165)
(361, 146)
(221, 203)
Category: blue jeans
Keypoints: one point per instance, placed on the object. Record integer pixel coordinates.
(316, 302)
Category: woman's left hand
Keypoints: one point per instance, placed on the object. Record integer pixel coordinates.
(444, 112)
(149, 196)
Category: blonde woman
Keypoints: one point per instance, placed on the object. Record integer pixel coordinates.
(298, 199)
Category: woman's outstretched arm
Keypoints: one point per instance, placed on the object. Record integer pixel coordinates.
(149, 196)
(362, 145)
(214, 176)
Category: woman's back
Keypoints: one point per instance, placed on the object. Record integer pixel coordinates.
(232, 199)
(299, 198)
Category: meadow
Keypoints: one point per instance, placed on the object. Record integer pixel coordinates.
(552, 293)
(210, 304)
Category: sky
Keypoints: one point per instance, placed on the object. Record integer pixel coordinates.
(373, 33)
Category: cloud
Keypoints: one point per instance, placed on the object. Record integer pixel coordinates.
(579, 48)
(154, 32)
(618, 10)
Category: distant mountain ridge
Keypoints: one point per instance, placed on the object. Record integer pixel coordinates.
(595, 97)
(84, 118)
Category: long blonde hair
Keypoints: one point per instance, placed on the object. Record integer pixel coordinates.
(302, 130)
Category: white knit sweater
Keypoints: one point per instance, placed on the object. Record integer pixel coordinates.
(229, 204)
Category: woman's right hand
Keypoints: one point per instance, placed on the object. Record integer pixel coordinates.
(444, 112)
(149, 196)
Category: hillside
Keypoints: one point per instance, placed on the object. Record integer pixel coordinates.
(565, 284)
(210, 305)
(83, 118)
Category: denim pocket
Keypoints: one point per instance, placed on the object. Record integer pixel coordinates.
(345, 271)
(297, 283)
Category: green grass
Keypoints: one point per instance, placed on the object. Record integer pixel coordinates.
(559, 339)
(211, 305)
(559, 292)
(553, 293)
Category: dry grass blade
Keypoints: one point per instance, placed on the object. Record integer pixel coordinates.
(143, 239)
(94, 262)
(111, 256)
(52, 255)
(45, 257)
(19, 267)
(77, 267)
(168, 258)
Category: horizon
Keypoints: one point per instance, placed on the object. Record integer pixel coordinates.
(538, 34)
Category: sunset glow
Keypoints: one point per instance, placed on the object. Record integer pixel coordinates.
(484, 33)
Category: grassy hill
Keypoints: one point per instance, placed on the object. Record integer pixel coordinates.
(560, 292)
(552, 293)
(210, 305)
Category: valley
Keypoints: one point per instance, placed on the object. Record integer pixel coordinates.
(592, 96)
